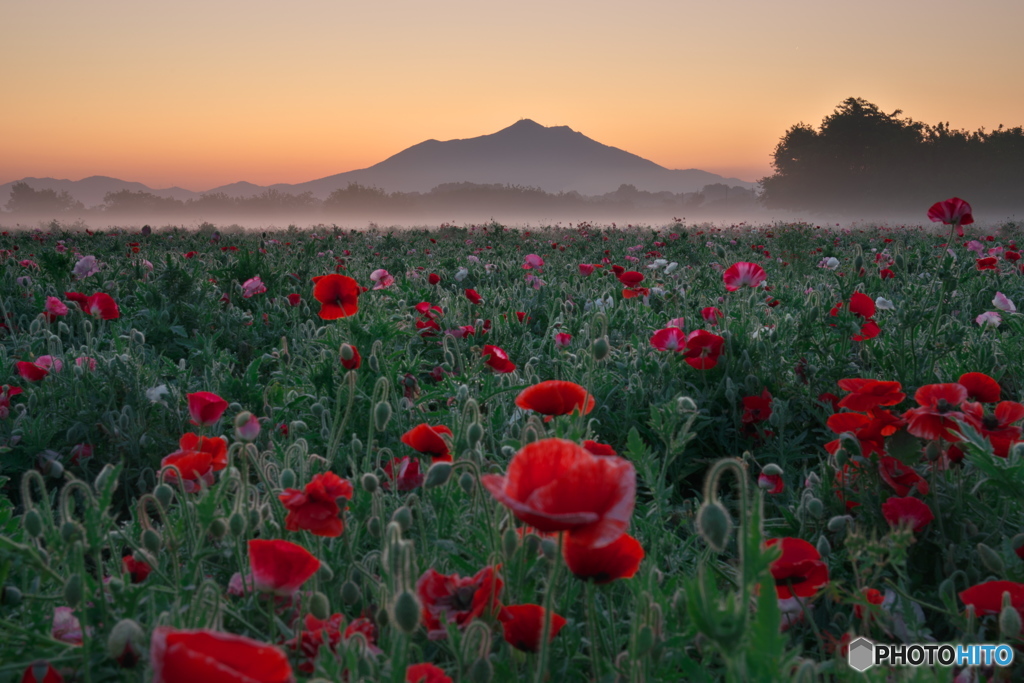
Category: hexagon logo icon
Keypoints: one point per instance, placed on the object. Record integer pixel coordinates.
(861, 655)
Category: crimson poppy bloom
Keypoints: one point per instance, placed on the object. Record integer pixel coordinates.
(433, 278)
(354, 360)
(907, 510)
(31, 372)
(456, 599)
(799, 571)
(338, 296)
(555, 397)
(426, 439)
(703, 349)
(631, 278)
(987, 263)
(405, 472)
(596, 448)
(772, 483)
(197, 458)
(205, 408)
(757, 408)
(939, 405)
(98, 305)
(900, 477)
(316, 508)
(743, 274)
(317, 632)
(473, 296)
(872, 596)
(886, 274)
(280, 567)
(7, 392)
(869, 393)
(669, 339)
(497, 359)
(425, 673)
(620, 559)
(294, 299)
(980, 387)
(711, 314)
(870, 430)
(136, 569)
(206, 656)
(557, 485)
(987, 597)
(998, 428)
(953, 211)
(523, 626)
(586, 269)
(41, 671)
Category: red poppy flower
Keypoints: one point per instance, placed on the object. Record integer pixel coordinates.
(831, 399)
(523, 626)
(743, 274)
(900, 477)
(98, 305)
(799, 571)
(618, 270)
(669, 339)
(473, 297)
(405, 472)
(862, 305)
(338, 296)
(316, 508)
(31, 372)
(7, 392)
(596, 448)
(317, 632)
(711, 314)
(294, 299)
(620, 559)
(280, 567)
(757, 408)
(999, 427)
(497, 359)
(907, 510)
(987, 597)
(197, 458)
(456, 599)
(205, 408)
(557, 485)
(631, 278)
(433, 278)
(938, 406)
(703, 349)
(205, 656)
(872, 596)
(634, 292)
(522, 317)
(586, 269)
(886, 274)
(426, 439)
(136, 569)
(987, 263)
(954, 211)
(772, 483)
(980, 387)
(41, 672)
(428, 310)
(354, 360)
(870, 430)
(425, 673)
(869, 393)
(555, 397)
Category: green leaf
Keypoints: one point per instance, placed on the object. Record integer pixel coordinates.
(636, 449)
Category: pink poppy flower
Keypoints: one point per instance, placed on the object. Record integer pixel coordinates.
(533, 261)
(562, 339)
(954, 211)
(54, 308)
(252, 287)
(586, 269)
(669, 339)
(743, 274)
(382, 278)
(712, 314)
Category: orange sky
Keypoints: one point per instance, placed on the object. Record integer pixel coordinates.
(200, 94)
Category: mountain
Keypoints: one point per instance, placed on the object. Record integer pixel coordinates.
(553, 158)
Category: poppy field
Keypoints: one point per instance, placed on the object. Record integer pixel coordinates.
(483, 453)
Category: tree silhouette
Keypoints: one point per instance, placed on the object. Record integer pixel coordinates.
(26, 200)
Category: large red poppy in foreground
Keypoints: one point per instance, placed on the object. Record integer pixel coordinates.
(619, 559)
(338, 296)
(205, 656)
(555, 397)
(799, 571)
(557, 485)
(523, 626)
(424, 438)
(456, 599)
(280, 567)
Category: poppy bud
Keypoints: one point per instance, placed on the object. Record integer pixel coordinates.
(236, 524)
(124, 644)
(10, 596)
(482, 671)
(350, 593)
(73, 590)
(467, 482)
(838, 523)
(56, 469)
(462, 394)
(1017, 544)
(932, 451)
(374, 363)
(509, 543)
(138, 337)
(403, 516)
(287, 478)
(991, 559)
(218, 528)
(151, 540)
(720, 251)
(103, 479)
(815, 507)
(254, 518)
(405, 612)
(549, 548)
(381, 415)
(438, 475)
(373, 526)
(71, 531)
(824, 547)
(115, 585)
(858, 263)
(601, 348)
(1009, 620)
(772, 470)
(714, 525)
(369, 482)
(296, 426)
(33, 523)
(356, 445)
(842, 457)
(319, 606)
(644, 640)
(475, 433)
(685, 404)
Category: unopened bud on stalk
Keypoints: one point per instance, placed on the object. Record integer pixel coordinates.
(438, 475)
(403, 516)
(373, 526)
(73, 590)
(356, 445)
(164, 495)
(374, 363)
(467, 482)
(33, 523)
(10, 596)
(509, 543)
(475, 433)
(991, 559)
(933, 451)
(381, 415)
(236, 524)
(601, 348)
(151, 541)
(350, 593)
(247, 426)
(714, 525)
(838, 523)
(218, 528)
(325, 573)
(103, 479)
(125, 643)
(481, 671)
(1009, 620)
(462, 394)
(369, 482)
(405, 612)
(71, 531)
(824, 547)
(549, 547)
(319, 606)
(287, 478)
(815, 507)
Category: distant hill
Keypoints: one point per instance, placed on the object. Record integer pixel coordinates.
(552, 158)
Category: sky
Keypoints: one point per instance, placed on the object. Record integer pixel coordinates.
(198, 94)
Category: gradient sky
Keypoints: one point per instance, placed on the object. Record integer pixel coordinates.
(203, 93)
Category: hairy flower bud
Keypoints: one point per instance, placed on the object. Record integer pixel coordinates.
(319, 606)
(714, 525)
(287, 478)
(991, 559)
(405, 612)
(438, 475)
(33, 523)
(125, 643)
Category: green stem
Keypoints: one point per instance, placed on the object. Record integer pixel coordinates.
(549, 593)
